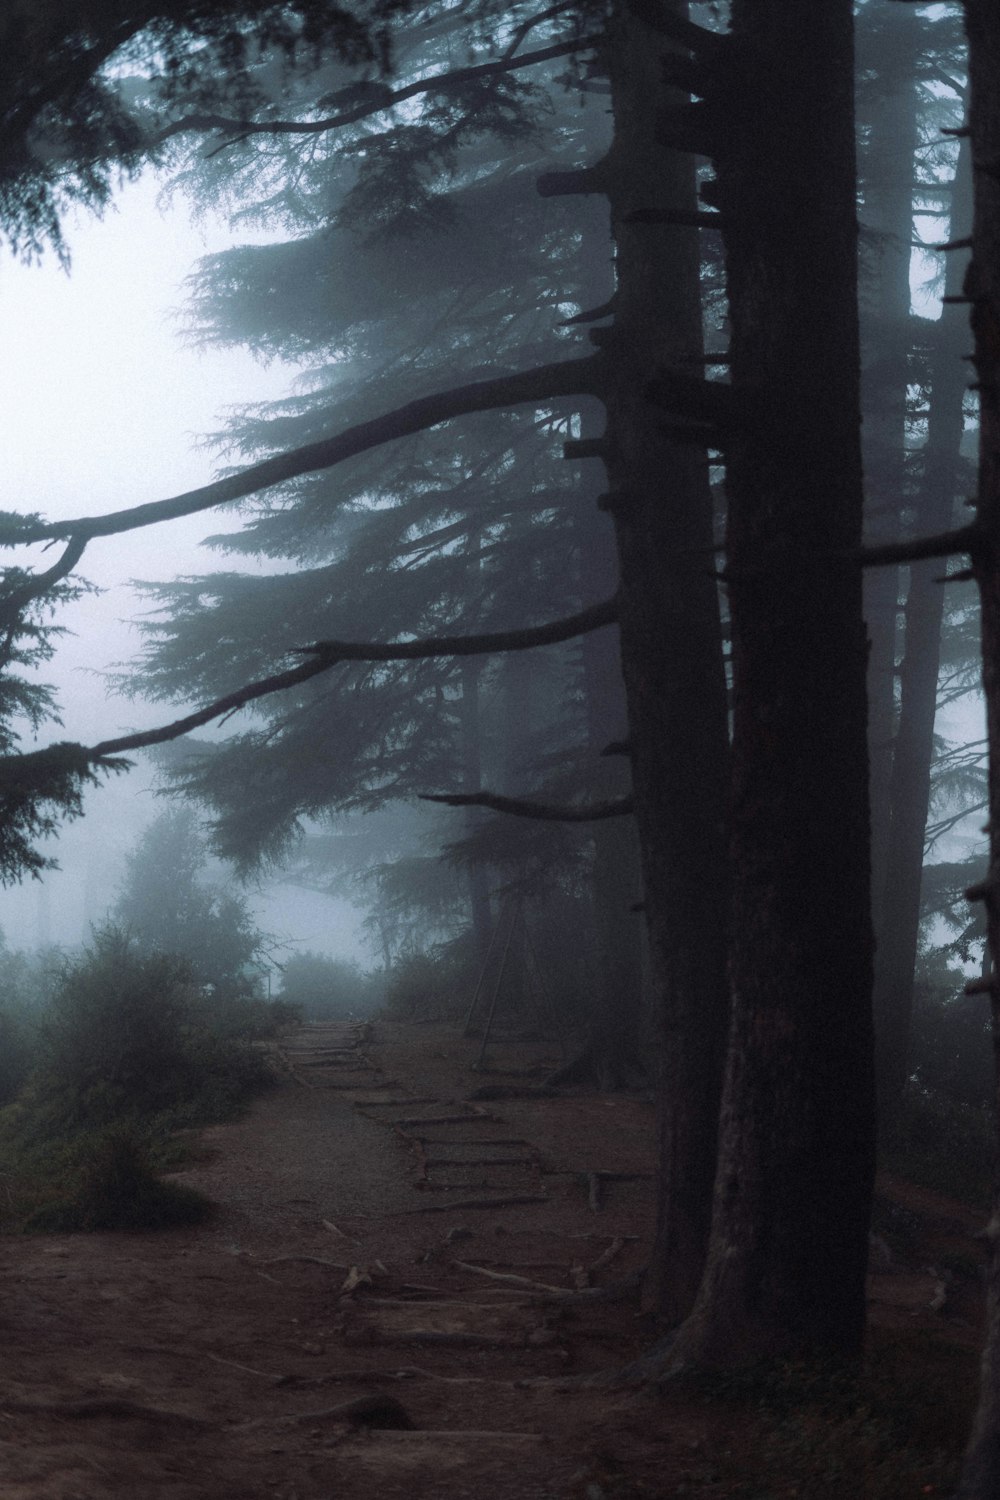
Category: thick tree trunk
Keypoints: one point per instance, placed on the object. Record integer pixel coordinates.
(981, 1475)
(788, 1252)
(671, 647)
(896, 952)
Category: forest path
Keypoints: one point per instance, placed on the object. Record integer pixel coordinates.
(391, 1224)
(370, 1212)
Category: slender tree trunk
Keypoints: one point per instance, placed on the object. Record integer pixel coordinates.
(788, 1251)
(981, 1475)
(896, 953)
(611, 1054)
(472, 780)
(671, 645)
(614, 1045)
(888, 49)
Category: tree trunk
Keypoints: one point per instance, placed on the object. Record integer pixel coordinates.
(889, 46)
(472, 779)
(896, 952)
(981, 1475)
(611, 1055)
(671, 647)
(788, 1252)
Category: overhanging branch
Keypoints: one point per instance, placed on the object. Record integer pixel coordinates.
(329, 654)
(573, 377)
(546, 812)
(592, 618)
(377, 97)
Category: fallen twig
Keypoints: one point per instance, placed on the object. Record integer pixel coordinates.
(442, 1208)
(512, 1279)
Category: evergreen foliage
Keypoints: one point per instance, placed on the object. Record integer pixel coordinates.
(323, 988)
(167, 907)
(476, 528)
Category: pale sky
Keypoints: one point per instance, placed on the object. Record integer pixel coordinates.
(100, 407)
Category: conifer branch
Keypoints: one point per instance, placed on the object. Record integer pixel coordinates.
(573, 377)
(377, 97)
(39, 584)
(944, 544)
(546, 812)
(592, 618)
(326, 655)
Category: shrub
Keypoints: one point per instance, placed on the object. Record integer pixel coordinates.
(129, 1050)
(434, 985)
(113, 1184)
(322, 988)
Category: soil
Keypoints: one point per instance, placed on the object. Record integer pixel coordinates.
(410, 1266)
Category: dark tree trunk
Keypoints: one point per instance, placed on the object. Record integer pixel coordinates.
(472, 780)
(896, 952)
(671, 646)
(611, 1055)
(981, 1476)
(788, 1251)
(889, 46)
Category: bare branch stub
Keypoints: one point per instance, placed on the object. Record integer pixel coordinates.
(546, 812)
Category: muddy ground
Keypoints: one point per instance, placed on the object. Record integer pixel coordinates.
(455, 1246)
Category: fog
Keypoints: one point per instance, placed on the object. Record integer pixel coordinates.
(102, 405)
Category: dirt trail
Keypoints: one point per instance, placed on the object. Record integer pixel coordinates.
(383, 1231)
(345, 1259)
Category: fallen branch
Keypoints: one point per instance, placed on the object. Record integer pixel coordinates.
(509, 1277)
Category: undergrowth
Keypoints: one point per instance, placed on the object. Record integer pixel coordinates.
(128, 1052)
(894, 1430)
(942, 1143)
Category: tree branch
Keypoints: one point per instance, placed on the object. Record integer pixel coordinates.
(944, 544)
(378, 98)
(592, 618)
(39, 583)
(329, 654)
(697, 39)
(573, 377)
(545, 812)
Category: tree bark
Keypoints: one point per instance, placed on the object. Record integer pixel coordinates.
(788, 1251)
(671, 646)
(981, 1474)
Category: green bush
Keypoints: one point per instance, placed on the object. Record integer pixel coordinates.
(129, 1050)
(110, 1181)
